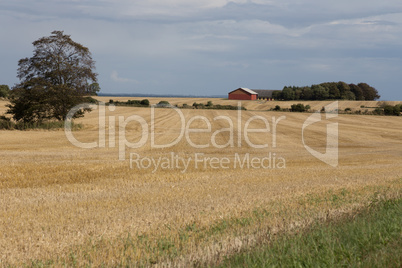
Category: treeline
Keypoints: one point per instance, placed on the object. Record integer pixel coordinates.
(133, 103)
(389, 110)
(328, 91)
(210, 105)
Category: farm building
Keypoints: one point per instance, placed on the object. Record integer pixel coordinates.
(250, 94)
(243, 94)
(264, 94)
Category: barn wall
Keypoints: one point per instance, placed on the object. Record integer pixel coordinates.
(239, 97)
(242, 97)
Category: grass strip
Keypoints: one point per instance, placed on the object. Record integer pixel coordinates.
(371, 238)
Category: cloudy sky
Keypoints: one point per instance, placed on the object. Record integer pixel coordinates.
(210, 47)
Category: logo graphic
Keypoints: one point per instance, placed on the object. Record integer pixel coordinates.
(147, 133)
(331, 155)
(113, 136)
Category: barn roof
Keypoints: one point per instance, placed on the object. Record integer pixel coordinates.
(264, 93)
(246, 90)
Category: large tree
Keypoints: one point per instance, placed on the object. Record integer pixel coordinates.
(57, 77)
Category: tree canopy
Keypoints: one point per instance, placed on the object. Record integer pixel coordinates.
(330, 90)
(57, 77)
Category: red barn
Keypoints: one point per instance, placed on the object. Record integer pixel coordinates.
(243, 94)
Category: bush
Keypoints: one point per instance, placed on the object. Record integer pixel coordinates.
(392, 110)
(399, 107)
(4, 91)
(387, 109)
(163, 104)
(134, 102)
(348, 110)
(200, 105)
(145, 102)
(298, 108)
(277, 108)
(5, 123)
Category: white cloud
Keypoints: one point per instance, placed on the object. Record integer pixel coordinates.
(115, 77)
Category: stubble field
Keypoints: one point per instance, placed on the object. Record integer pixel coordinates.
(60, 204)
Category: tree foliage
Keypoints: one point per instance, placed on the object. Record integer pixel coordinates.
(299, 108)
(393, 110)
(4, 91)
(57, 77)
(328, 91)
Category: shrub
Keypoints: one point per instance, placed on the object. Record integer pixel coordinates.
(298, 108)
(5, 123)
(348, 110)
(392, 110)
(163, 104)
(199, 105)
(4, 91)
(378, 111)
(399, 108)
(145, 102)
(134, 102)
(389, 110)
(277, 108)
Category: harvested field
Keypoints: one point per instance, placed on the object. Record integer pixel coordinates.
(61, 204)
(261, 105)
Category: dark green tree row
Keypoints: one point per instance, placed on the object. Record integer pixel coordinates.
(134, 103)
(329, 90)
(389, 110)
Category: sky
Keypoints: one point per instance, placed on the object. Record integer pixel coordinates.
(211, 47)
